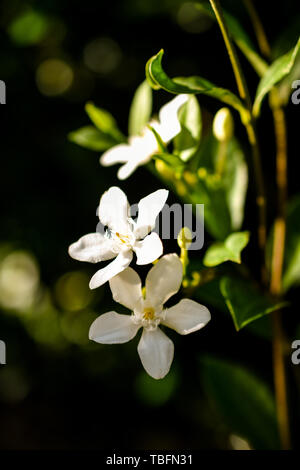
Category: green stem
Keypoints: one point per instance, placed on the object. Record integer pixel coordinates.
(250, 127)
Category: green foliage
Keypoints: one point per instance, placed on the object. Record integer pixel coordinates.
(141, 109)
(223, 191)
(157, 78)
(104, 121)
(240, 37)
(187, 141)
(243, 400)
(245, 302)
(91, 138)
(291, 271)
(229, 250)
(276, 72)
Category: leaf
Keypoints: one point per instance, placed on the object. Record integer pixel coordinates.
(276, 72)
(240, 37)
(104, 121)
(187, 141)
(291, 270)
(245, 302)
(91, 138)
(229, 250)
(157, 78)
(243, 400)
(170, 159)
(141, 109)
(224, 194)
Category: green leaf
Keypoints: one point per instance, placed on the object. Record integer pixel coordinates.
(245, 302)
(276, 72)
(141, 109)
(240, 37)
(291, 269)
(243, 400)
(91, 138)
(157, 78)
(104, 121)
(224, 193)
(229, 250)
(172, 160)
(187, 141)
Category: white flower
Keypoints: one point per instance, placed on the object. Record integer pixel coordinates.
(140, 149)
(155, 349)
(122, 236)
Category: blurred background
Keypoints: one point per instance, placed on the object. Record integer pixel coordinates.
(58, 389)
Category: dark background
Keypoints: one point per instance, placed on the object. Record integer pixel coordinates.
(58, 390)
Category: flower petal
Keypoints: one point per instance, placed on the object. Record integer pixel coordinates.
(93, 247)
(156, 351)
(149, 249)
(117, 154)
(126, 170)
(126, 288)
(113, 328)
(148, 209)
(114, 209)
(112, 269)
(164, 279)
(186, 317)
(169, 122)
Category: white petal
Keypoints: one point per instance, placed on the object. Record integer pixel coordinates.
(156, 351)
(164, 279)
(169, 123)
(93, 248)
(126, 288)
(126, 170)
(117, 154)
(112, 328)
(149, 249)
(148, 209)
(186, 317)
(113, 210)
(112, 269)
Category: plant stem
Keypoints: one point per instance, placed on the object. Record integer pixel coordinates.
(278, 240)
(258, 29)
(251, 130)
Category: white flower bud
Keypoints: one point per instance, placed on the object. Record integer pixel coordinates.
(223, 125)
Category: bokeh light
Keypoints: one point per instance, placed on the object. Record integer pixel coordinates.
(191, 20)
(102, 55)
(54, 77)
(19, 280)
(72, 291)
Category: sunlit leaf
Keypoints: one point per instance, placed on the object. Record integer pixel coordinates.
(243, 400)
(91, 138)
(141, 109)
(276, 72)
(229, 250)
(193, 85)
(104, 121)
(187, 141)
(245, 302)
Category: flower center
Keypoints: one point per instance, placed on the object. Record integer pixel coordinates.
(149, 314)
(121, 240)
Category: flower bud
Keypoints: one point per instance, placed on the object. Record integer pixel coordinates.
(223, 125)
(184, 238)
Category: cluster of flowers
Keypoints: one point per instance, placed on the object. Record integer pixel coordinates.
(122, 236)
